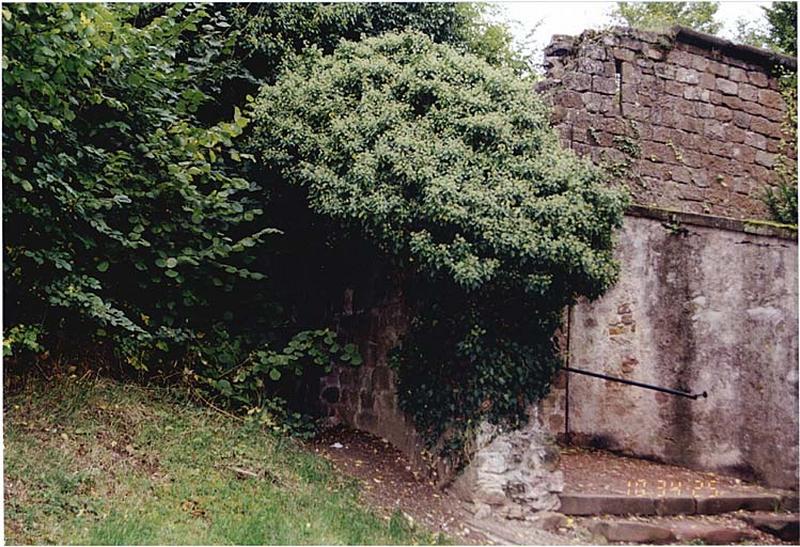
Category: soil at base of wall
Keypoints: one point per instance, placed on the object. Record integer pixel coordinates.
(390, 484)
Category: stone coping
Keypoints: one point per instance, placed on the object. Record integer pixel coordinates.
(756, 227)
(744, 52)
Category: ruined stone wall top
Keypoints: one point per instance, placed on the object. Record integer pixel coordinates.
(688, 121)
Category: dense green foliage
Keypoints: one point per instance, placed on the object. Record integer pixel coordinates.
(130, 222)
(444, 168)
(662, 15)
(782, 200)
(122, 219)
(137, 225)
(782, 19)
(782, 36)
(775, 30)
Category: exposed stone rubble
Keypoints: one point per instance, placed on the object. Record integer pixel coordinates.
(512, 474)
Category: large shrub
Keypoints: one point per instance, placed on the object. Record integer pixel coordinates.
(126, 224)
(447, 168)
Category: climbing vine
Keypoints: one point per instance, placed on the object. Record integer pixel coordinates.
(782, 199)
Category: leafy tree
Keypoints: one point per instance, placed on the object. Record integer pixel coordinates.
(662, 15)
(268, 37)
(122, 221)
(409, 154)
(752, 32)
(776, 30)
(782, 19)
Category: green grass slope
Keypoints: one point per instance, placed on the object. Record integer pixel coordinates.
(98, 462)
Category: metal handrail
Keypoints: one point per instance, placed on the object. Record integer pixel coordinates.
(676, 392)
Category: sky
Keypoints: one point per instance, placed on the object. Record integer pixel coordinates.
(575, 17)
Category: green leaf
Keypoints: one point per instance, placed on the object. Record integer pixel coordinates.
(225, 387)
(275, 374)
(102, 266)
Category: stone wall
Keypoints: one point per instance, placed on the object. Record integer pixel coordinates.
(365, 397)
(702, 304)
(689, 121)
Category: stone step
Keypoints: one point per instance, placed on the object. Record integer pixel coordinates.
(670, 531)
(612, 504)
(785, 527)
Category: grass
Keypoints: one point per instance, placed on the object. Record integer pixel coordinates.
(98, 462)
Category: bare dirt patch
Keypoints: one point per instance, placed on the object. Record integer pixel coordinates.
(389, 483)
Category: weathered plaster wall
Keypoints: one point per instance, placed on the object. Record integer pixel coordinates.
(687, 121)
(697, 308)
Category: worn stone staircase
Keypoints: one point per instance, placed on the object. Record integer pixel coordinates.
(618, 499)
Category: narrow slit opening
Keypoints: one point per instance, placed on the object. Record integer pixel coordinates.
(618, 83)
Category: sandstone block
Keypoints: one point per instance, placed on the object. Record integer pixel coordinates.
(594, 51)
(687, 76)
(679, 57)
(675, 506)
(700, 63)
(714, 129)
(708, 81)
(727, 87)
(696, 94)
(755, 140)
(691, 125)
(737, 75)
(589, 504)
(748, 92)
(578, 81)
(604, 85)
(653, 53)
(758, 79)
(743, 153)
(623, 54)
(728, 504)
(674, 88)
(711, 534)
(723, 114)
(783, 526)
(705, 110)
(630, 43)
(774, 115)
(741, 119)
(751, 108)
(764, 158)
(765, 127)
(718, 69)
(771, 99)
(632, 532)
